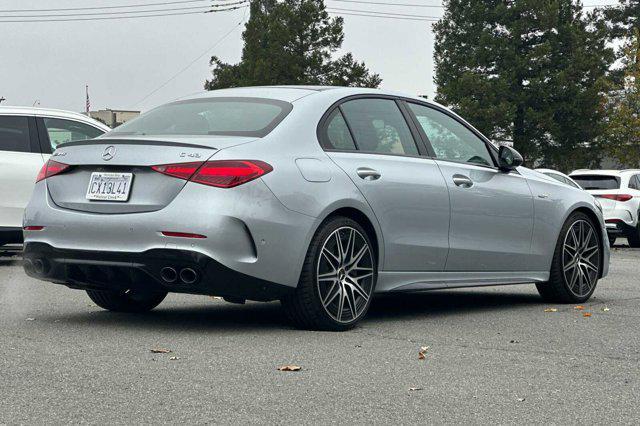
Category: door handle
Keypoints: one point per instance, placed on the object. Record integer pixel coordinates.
(462, 181)
(368, 174)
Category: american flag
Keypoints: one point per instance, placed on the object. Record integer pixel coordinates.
(88, 104)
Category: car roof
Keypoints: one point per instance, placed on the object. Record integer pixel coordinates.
(53, 113)
(293, 93)
(583, 172)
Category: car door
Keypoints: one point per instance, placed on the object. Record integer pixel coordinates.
(371, 140)
(491, 211)
(20, 162)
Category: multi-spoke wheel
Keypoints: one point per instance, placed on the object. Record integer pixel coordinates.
(576, 264)
(338, 278)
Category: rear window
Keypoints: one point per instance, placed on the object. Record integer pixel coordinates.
(213, 116)
(597, 181)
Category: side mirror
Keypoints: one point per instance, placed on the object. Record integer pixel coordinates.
(509, 158)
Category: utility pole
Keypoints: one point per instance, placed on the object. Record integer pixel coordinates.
(2, 99)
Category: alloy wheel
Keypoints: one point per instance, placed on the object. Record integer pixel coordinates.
(345, 274)
(581, 258)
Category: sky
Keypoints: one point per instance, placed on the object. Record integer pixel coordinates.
(141, 63)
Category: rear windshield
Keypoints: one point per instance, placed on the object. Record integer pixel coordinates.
(212, 116)
(597, 181)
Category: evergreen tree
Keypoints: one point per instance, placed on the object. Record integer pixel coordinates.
(527, 71)
(291, 42)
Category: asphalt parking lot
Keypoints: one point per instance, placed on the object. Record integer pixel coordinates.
(494, 355)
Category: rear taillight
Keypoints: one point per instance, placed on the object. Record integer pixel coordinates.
(221, 173)
(615, 197)
(51, 168)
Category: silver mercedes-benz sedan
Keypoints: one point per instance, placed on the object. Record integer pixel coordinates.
(315, 196)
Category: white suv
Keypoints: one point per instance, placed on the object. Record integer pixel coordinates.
(27, 138)
(619, 194)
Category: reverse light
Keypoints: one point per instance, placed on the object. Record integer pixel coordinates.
(220, 173)
(615, 197)
(51, 168)
(182, 235)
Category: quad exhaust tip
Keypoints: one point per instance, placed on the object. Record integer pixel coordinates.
(168, 274)
(188, 276)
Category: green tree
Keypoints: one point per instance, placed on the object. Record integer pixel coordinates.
(527, 71)
(623, 130)
(291, 42)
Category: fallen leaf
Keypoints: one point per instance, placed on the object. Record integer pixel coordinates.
(579, 308)
(174, 358)
(423, 352)
(30, 319)
(415, 389)
(521, 399)
(605, 309)
(289, 368)
(161, 351)
(551, 310)
(514, 341)
(586, 314)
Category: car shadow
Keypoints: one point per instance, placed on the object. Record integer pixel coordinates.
(223, 317)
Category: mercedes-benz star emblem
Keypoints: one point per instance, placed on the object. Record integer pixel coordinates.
(109, 153)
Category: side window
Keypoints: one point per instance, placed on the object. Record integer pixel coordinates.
(450, 139)
(633, 182)
(61, 131)
(379, 126)
(338, 134)
(14, 133)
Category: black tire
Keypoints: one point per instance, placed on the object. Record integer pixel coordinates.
(557, 289)
(126, 302)
(305, 308)
(633, 238)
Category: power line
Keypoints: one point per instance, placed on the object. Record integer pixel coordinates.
(98, 18)
(128, 12)
(433, 6)
(373, 12)
(108, 7)
(415, 18)
(173, 77)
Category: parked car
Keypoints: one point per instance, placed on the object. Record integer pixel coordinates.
(559, 176)
(619, 194)
(314, 196)
(27, 138)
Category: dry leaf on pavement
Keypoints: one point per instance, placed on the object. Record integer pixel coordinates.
(415, 389)
(289, 368)
(551, 310)
(586, 314)
(579, 308)
(423, 352)
(161, 351)
(174, 358)
(605, 309)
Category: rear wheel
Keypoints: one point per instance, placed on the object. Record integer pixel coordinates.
(126, 302)
(576, 262)
(337, 279)
(633, 237)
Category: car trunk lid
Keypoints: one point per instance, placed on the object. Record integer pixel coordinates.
(149, 190)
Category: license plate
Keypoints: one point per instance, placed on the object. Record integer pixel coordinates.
(109, 186)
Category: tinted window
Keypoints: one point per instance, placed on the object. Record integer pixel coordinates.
(378, 126)
(14, 133)
(338, 134)
(450, 139)
(597, 181)
(61, 131)
(213, 116)
(634, 183)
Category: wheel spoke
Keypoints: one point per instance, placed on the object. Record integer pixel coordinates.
(358, 288)
(331, 258)
(351, 302)
(332, 293)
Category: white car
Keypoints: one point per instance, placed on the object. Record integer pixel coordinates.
(559, 176)
(619, 195)
(27, 138)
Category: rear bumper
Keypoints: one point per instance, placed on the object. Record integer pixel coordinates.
(120, 271)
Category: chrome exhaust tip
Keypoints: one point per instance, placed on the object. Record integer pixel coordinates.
(168, 274)
(188, 276)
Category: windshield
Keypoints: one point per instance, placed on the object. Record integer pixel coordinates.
(597, 181)
(212, 116)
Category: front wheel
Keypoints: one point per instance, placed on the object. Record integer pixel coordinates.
(337, 280)
(131, 301)
(576, 262)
